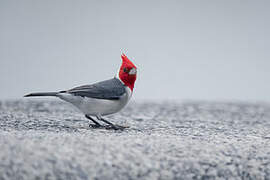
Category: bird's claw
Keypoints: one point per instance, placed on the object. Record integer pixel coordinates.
(113, 127)
(95, 126)
(116, 127)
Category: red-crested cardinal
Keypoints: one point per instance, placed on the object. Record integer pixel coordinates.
(102, 98)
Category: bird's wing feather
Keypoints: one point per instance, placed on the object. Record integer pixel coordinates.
(111, 89)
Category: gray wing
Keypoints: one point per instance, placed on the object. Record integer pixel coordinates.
(111, 89)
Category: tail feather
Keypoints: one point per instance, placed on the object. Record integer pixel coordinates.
(42, 94)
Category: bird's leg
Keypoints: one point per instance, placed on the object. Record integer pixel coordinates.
(113, 126)
(96, 125)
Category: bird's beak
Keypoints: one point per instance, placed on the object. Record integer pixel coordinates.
(133, 71)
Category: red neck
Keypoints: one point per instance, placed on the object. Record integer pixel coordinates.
(128, 80)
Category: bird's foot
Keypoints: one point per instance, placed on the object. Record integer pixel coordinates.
(95, 126)
(109, 127)
(116, 127)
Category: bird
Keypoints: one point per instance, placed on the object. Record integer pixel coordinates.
(101, 98)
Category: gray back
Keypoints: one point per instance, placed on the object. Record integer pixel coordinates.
(111, 89)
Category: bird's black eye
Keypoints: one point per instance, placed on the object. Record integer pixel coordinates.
(125, 70)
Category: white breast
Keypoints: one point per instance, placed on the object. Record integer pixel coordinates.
(95, 107)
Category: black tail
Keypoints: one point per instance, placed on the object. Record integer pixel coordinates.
(42, 94)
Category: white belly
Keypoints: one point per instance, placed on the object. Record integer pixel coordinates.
(97, 107)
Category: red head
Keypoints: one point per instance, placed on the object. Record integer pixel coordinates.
(128, 72)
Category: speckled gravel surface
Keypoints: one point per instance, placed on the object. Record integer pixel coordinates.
(42, 139)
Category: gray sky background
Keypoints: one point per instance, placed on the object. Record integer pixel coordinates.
(193, 49)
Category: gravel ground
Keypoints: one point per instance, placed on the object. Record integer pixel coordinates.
(42, 139)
